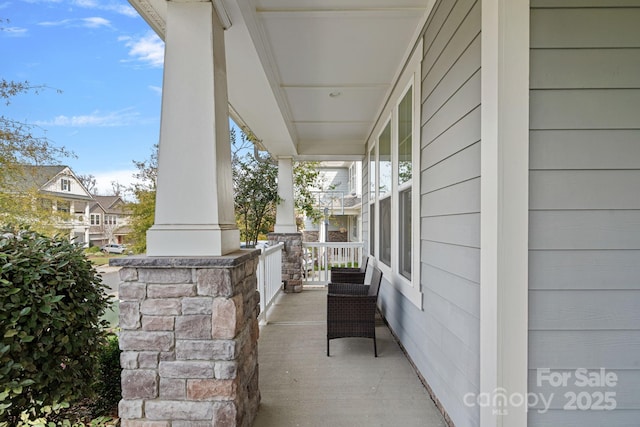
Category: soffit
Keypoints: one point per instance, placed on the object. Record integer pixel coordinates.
(286, 57)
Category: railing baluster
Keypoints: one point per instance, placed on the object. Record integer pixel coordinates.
(269, 278)
(323, 255)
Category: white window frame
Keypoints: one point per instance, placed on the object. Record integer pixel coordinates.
(94, 219)
(373, 199)
(410, 78)
(65, 184)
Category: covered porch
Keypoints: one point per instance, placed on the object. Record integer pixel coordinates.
(300, 385)
(433, 97)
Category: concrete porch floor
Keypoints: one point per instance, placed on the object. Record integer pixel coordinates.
(301, 386)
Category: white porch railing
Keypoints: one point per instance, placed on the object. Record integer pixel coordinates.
(269, 278)
(320, 257)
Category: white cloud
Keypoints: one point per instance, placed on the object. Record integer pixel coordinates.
(156, 89)
(63, 22)
(14, 31)
(96, 22)
(105, 178)
(148, 49)
(92, 22)
(110, 6)
(96, 119)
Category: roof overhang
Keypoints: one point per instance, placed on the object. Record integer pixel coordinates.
(309, 78)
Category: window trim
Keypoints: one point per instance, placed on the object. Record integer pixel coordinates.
(66, 187)
(96, 221)
(410, 79)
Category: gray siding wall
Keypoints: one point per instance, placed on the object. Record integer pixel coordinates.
(443, 338)
(337, 177)
(584, 259)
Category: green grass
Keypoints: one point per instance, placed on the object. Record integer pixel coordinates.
(112, 314)
(102, 259)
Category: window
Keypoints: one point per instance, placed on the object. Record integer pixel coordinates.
(386, 182)
(110, 219)
(65, 184)
(353, 178)
(384, 161)
(393, 209)
(405, 131)
(404, 167)
(404, 232)
(95, 219)
(372, 201)
(62, 206)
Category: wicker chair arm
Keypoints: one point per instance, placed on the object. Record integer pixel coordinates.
(338, 276)
(348, 289)
(346, 269)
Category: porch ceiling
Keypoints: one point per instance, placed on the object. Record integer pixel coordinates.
(309, 77)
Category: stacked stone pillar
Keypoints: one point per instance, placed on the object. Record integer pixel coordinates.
(188, 337)
(291, 259)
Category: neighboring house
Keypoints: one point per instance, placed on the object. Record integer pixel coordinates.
(66, 194)
(92, 220)
(341, 196)
(109, 220)
(500, 142)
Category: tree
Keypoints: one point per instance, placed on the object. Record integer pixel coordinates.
(255, 191)
(20, 201)
(89, 182)
(118, 189)
(144, 208)
(305, 177)
(254, 185)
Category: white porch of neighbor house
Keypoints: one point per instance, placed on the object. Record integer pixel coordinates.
(311, 80)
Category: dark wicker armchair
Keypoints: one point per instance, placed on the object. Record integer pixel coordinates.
(351, 310)
(349, 274)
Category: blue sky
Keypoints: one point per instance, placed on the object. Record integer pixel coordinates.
(107, 63)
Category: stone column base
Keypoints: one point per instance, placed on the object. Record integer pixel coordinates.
(188, 337)
(291, 259)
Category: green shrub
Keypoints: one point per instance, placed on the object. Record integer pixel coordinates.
(107, 386)
(92, 250)
(51, 302)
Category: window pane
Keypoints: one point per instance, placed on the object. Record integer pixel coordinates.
(405, 233)
(385, 231)
(385, 160)
(372, 175)
(372, 229)
(405, 127)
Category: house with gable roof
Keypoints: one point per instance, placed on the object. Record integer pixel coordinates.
(108, 220)
(499, 143)
(88, 219)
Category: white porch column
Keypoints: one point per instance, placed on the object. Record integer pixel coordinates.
(194, 201)
(504, 206)
(285, 211)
